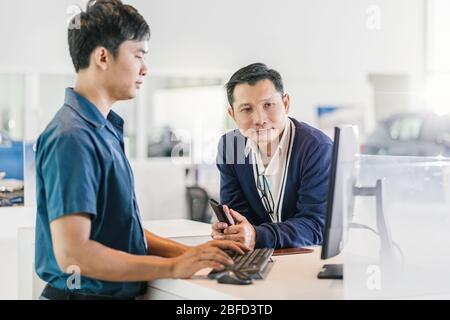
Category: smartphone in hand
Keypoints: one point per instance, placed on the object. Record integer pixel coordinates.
(221, 215)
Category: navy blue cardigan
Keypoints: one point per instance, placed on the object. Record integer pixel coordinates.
(305, 195)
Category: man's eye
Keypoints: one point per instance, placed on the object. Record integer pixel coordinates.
(245, 110)
(268, 104)
(139, 57)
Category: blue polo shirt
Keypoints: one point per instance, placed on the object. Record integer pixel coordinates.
(81, 167)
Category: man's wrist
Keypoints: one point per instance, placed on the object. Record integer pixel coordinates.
(182, 248)
(253, 242)
(171, 268)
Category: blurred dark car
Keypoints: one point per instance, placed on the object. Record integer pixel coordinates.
(11, 157)
(410, 134)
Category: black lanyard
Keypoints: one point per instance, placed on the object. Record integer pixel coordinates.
(280, 196)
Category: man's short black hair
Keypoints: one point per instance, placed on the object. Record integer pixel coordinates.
(105, 23)
(252, 74)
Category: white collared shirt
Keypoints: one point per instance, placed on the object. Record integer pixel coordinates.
(276, 170)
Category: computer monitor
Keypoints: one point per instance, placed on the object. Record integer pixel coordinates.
(340, 200)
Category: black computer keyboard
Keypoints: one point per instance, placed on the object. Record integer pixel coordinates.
(255, 264)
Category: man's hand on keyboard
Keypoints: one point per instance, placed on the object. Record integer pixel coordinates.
(227, 246)
(208, 255)
(242, 231)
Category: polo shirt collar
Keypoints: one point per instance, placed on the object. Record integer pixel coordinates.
(115, 119)
(89, 112)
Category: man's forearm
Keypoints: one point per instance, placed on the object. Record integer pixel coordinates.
(293, 232)
(163, 247)
(100, 262)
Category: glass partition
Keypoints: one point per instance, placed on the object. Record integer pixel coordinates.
(397, 242)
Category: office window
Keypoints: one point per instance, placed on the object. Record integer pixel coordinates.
(194, 119)
(12, 88)
(185, 118)
(12, 105)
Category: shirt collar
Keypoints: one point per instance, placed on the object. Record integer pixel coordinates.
(115, 119)
(89, 112)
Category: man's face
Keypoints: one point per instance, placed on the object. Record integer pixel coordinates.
(126, 73)
(260, 112)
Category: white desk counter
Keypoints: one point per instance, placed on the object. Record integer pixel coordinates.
(185, 231)
(291, 277)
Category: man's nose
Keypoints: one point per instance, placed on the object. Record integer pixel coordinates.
(260, 117)
(144, 70)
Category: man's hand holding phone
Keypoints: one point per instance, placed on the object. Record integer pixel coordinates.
(221, 214)
(240, 230)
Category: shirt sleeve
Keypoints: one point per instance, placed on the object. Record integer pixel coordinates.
(305, 227)
(70, 171)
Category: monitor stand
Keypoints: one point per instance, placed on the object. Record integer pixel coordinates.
(331, 271)
(384, 232)
(387, 254)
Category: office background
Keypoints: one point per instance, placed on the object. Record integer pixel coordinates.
(348, 61)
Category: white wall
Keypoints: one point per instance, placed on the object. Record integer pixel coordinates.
(11, 220)
(316, 45)
(438, 44)
(438, 56)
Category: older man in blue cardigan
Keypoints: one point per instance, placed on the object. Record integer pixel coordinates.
(274, 169)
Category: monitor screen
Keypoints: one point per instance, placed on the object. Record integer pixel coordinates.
(340, 199)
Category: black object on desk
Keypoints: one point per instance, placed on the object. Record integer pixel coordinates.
(234, 277)
(331, 271)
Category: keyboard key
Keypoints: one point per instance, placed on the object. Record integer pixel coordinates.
(253, 263)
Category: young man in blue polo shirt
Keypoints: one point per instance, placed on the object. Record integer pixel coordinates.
(274, 169)
(88, 223)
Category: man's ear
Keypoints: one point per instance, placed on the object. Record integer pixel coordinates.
(101, 57)
(286, 102)
(230, 111)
